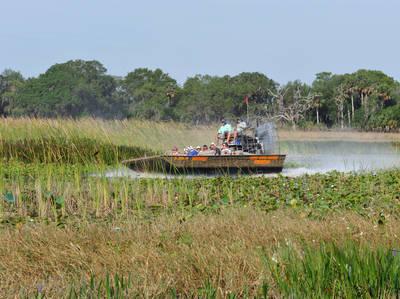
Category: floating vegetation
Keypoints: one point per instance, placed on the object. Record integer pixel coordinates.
(26, 187)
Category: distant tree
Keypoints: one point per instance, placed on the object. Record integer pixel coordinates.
(207, 98)
(340, 98)
(297, 99)
(373, 87)
(10, 81)
(202, 99)
(363, 94)
(152, 94)
(258, 87)
(75, 88)
(324, 87)
(365, 99)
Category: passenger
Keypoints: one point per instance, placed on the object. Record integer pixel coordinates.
(212, 149)
(225, 150)
(175, 151)
(224, 132)
(192, 152)
(217, 151)
(240, 127)
(204, 150)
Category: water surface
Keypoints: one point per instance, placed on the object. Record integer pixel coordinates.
(344, 156)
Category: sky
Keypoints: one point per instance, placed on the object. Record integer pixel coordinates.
(284, 39)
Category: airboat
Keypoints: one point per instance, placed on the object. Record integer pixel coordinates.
(257, 147)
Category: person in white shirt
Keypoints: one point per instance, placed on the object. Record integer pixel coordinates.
(240, 127)
(224, 132)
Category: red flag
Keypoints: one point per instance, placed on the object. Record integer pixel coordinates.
(246, 100)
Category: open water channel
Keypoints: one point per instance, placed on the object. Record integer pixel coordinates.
(344, 156)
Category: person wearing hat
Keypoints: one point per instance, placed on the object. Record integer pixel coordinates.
(224, 132)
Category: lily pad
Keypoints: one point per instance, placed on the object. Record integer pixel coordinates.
(60, 201)
(9, 197)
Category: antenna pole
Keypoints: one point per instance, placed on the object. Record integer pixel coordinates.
(247, 111)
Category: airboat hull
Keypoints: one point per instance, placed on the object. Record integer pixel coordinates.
(181, 164)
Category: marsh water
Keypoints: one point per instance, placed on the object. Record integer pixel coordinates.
(344, 156)
(310, 157)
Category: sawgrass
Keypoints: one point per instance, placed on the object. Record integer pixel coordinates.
(344, 271)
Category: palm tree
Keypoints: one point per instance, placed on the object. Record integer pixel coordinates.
(340, 98)
(365, 93)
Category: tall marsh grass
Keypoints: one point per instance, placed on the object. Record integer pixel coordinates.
(158, 136)
(70, 151)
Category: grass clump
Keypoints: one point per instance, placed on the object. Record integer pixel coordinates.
(68, 151)
(331, 271)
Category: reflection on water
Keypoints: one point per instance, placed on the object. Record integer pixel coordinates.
(309, 157)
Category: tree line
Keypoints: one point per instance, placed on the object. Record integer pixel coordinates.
(365, 99)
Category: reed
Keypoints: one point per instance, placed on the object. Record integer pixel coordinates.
(160, 136)
(68, 151)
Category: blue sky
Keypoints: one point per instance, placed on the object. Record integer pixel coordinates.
(285, 39)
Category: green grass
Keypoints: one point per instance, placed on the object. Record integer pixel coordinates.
(117, 286)
(347, 271)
